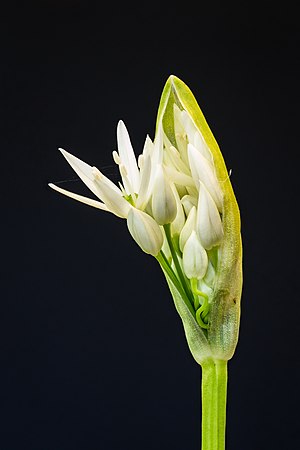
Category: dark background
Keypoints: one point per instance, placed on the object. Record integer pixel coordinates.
(93, 354)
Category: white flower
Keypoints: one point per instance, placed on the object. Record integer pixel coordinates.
(145, 231)
(188, 227)
(195, 258)
(139, 183)
(169, 195)
(164, 206)
(188, 201)
(209, 224)
(176, 208)
(127, 160)
(179, 221)
(203, 171)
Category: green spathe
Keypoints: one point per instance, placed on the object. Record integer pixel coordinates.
(220, 339)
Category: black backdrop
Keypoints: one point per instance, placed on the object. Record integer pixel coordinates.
(93, 354)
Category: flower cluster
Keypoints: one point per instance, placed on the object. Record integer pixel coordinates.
(172, 201)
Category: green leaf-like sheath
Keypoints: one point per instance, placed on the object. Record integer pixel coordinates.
(220, 340)
(196, 339)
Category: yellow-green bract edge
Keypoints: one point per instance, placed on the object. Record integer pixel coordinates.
(220, 340)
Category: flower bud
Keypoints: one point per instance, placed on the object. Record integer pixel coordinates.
(194, 258)
(164, 206)
(188, 201)
(209, 224)
(179, 221)
(145, 231)
(203, 170)
(127, 156)
(189, 226)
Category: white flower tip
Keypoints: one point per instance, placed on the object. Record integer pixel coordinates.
(121, 126)
(55, 188)
(97, 174)
(80, 198)
(69, 157)
(116, 157)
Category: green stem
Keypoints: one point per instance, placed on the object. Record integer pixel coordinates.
(214, 391)
(180, 274)
(161, 258)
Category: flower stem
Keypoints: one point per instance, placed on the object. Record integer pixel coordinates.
(214, 391)
(161, 258)
(180, 274)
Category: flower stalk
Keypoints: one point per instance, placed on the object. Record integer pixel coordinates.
(179, 206)
(214, 393)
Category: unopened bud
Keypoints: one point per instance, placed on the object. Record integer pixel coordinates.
(202, 170)
(195, 258)
(179, 221)
(188, 201)
(189, 226)
(209, 223)
(164, 206)
(145, 231)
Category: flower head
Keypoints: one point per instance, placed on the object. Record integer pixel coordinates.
(179, 206)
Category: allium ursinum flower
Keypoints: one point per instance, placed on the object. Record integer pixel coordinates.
(180, 208)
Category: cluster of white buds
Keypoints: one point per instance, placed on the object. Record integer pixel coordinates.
(172, 201)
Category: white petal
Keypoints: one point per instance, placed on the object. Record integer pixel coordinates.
(202, 170)
(113, 200)
(188, 125)
(188, 201)
(157, 156)
(163, 201)
(144, 192)
(194, 136)
(180, 135)
(80, 198)
(179, 177)
(155, 151)
(127, 155)
(148, 147)
(176, 160)
(188, 228)
(129, 189)
(141, 160)
(145, 231)
(210, 275)
(194, 258)
(179, 221)
(209, 223)
(202, 147)
(83, 170)
(116, 157)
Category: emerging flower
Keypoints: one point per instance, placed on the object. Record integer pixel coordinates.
(180, 208)
(131, 200)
